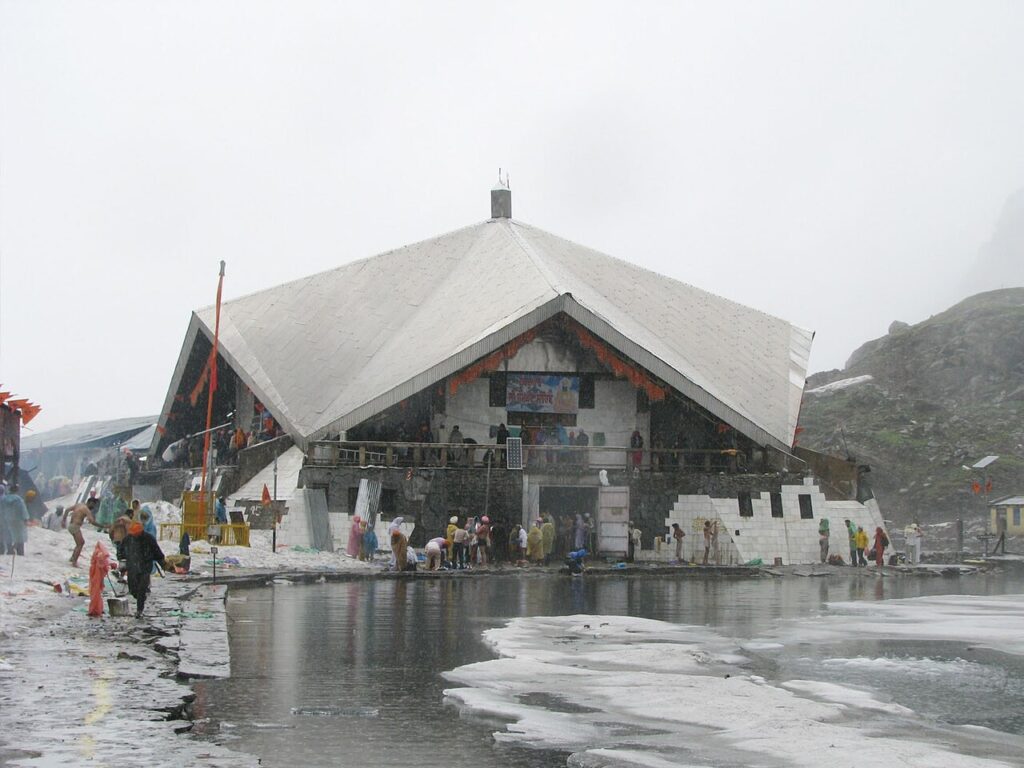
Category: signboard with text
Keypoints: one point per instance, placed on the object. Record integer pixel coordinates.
(542, 393)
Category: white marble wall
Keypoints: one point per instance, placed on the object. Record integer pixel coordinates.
(762, 536)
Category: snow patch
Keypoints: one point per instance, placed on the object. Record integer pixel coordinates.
(835, 386)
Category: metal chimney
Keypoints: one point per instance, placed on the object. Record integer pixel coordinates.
(501, 199)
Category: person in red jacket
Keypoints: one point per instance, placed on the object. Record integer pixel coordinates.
(881, 542)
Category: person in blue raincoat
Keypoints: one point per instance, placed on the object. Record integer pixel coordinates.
(13, 521)
(145, 517)
(369, 543)
(221, 511)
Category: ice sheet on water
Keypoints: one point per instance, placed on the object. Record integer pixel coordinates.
(625, 758)
(336, 711)
(994, 622)
(913, 666)
(843, 695)
(645, 692)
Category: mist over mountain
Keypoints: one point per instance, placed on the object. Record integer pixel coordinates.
(1000, 262)
(923, 401)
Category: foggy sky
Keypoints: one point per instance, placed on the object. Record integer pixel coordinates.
(836, 164)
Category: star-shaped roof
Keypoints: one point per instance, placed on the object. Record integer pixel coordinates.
(327, 351)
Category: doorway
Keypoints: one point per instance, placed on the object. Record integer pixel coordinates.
(563, 503)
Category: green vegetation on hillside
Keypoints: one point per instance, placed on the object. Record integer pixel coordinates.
(944, 393)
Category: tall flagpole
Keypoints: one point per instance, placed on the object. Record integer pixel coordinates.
(212, 389)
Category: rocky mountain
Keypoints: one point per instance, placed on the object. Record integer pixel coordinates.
(926, 400)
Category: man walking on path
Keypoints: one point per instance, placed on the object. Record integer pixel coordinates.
(75, 517)
(119, 531)
(140, 552)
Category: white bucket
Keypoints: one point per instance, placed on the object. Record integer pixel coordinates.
(117, 606)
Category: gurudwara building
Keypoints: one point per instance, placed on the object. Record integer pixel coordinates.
(638, 400)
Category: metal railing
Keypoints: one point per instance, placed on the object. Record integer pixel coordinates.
(230, 534)
(334, 453)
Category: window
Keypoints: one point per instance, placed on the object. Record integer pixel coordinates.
(806, 510)
(587, 390)
(643, 404)
(1016, 516)
(498, 390)
(776, 504)
(746, 505)
(353, 495)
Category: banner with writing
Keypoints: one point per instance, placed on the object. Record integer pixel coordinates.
(542, 393)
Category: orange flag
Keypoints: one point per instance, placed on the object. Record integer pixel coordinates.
(29, 412)
(17, 404)
(266, 496)
(197, 390)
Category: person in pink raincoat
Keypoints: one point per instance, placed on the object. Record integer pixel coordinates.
(354, 536)
(98, 568)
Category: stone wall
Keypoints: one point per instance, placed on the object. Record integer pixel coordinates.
(252, 460)
(426, 497)
(170, 481)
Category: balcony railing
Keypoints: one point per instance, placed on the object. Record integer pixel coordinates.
(333, 453)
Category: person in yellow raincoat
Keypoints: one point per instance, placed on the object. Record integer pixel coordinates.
(535, 543)
(449, 536)
(547, 534)
(861, 540)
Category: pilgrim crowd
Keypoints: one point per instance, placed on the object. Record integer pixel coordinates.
(470, 541)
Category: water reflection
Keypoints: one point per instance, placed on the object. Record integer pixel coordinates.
(379, 647)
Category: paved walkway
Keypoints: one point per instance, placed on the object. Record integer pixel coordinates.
(77, 690)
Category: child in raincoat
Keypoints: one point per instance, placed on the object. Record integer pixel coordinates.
(369, 544)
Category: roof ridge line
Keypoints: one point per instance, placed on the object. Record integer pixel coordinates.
(535, 259)
(339, 267)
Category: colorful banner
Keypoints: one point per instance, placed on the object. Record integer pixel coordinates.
(540, 393)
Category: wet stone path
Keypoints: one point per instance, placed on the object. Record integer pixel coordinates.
(76, 690)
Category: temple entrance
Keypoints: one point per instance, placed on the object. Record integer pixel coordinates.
(563, 503)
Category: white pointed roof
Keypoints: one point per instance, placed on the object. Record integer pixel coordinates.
(327, 351)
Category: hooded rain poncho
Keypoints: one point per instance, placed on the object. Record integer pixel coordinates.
(99, 566)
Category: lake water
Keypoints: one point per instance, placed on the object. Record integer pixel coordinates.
(353, 673)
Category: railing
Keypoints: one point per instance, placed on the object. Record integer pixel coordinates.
(230, 534)
(334, 453)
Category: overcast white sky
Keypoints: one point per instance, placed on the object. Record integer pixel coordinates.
(836, 164)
